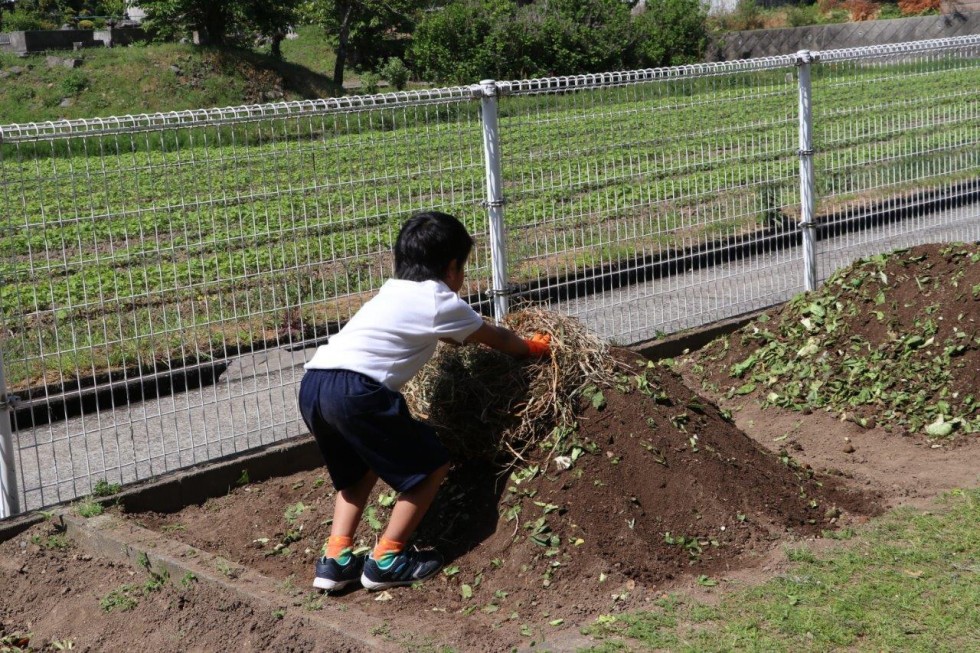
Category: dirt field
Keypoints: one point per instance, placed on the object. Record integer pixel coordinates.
(665, 486)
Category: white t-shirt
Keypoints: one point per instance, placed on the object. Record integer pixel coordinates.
(393, 335)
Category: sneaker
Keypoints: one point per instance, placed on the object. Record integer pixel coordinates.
(404, 568)
(337, 573)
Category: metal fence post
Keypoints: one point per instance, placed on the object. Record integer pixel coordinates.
(9, 503)
(495, 197)
(803, 60)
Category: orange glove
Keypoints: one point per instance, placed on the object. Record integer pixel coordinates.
(538, 345)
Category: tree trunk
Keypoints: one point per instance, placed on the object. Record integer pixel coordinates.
(215, 23)
(276, 46)
(342, 38)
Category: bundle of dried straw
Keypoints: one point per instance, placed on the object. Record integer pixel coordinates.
(486, 404)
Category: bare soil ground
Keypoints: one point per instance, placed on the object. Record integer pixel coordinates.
(666, 486)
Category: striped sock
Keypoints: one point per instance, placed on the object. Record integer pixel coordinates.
(386, 550)
(338, 546)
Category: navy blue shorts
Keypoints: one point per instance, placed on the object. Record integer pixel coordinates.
(360, 425)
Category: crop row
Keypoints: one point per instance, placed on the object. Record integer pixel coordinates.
(242, 225)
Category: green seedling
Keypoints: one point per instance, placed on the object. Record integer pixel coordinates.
(56, 541)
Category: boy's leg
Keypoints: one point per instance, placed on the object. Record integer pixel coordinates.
(349, 506)
(412, 506)
(389, 565)
(338, 567)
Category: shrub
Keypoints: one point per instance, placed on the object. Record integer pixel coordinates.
(747, 15)
(396, 72)
(19, 20)
(469, 40)
(862, 9)
(671, 32)
(918, 7)
(459, 43)
(86, 24)
(802, 16)
(369, 83)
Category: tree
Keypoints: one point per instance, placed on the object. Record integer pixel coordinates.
(672, 32)
(219, 22)
(356, 27)
(504, 39)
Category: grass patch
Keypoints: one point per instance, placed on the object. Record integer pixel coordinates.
(89, 507)
(156, 78)
(908, 582)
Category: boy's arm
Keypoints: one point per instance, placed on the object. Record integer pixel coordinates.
(501, 339)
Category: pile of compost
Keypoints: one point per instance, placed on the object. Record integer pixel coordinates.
(890, 341)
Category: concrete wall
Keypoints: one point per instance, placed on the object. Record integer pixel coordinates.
(65, 39)
(772, 42)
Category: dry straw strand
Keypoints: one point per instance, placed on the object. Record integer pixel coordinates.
(486, 404)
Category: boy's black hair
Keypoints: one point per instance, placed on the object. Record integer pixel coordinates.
(427, 243)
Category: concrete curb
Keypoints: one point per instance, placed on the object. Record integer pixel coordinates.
(691, 340)
(110, 537)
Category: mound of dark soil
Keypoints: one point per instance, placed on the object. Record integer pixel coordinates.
(659, 485)
(891, 340)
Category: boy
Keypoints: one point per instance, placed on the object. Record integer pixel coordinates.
(350, 400)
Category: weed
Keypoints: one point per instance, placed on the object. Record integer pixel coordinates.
(243, 478)
(57, 541)
(313, 602)
(383, 631)
(189, 577)
(228, 569)
(88, 507)
(120, 599)
(103, 488)
(157, 580)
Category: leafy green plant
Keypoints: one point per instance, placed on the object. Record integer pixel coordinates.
(104, 488)
(396, 72)
(370, 82)
(74, 83)
(121, 599)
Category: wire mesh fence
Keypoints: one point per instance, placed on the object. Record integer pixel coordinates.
(165, 276)
(617, 182)
(898, 161)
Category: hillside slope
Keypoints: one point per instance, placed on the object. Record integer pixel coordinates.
(147, 79)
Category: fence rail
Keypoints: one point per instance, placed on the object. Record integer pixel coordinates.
(163, 277)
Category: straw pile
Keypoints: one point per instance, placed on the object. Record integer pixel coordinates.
(484, 404)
